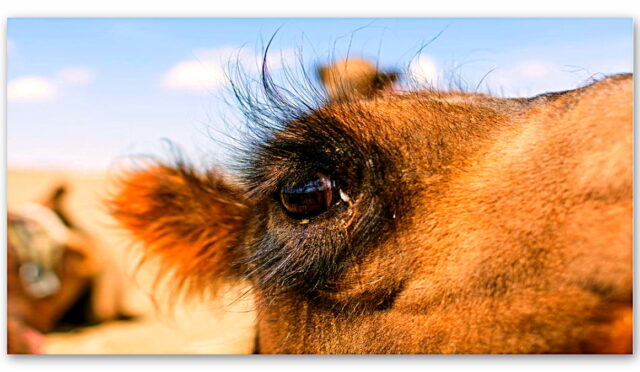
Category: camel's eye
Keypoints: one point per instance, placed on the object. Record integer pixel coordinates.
(308, 198)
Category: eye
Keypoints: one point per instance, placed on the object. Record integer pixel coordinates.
(308, 198)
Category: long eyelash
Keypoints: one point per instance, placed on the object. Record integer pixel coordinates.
(287, 132)
(268, 106)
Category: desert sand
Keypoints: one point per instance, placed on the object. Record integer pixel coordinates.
(162, 324)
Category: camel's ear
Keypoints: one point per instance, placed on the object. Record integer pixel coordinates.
(189, 222)
(55, 200)
(56, 196)
(355, 78)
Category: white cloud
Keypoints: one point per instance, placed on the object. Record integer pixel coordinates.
(194, 75)
(424, 70)
(535, 69)
(207, 70)
(76, 75)
(530, 77)
(39, 89)
(31, 89)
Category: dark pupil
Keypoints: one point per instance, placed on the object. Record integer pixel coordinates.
(308, 198)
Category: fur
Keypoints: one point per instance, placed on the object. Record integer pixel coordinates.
(472, 224)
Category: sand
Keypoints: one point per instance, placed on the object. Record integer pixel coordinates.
(215, 326)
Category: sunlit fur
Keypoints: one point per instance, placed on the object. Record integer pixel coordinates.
(474, 224)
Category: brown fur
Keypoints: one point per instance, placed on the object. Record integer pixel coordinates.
(349, 78)
(475, 225)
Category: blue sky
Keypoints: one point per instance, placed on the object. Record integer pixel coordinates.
(86, 93)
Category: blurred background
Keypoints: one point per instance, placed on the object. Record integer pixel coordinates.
(84, 96)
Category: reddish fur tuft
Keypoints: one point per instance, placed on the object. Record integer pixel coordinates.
(186, 220)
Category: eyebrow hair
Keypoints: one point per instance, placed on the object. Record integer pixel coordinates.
(320, 143)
